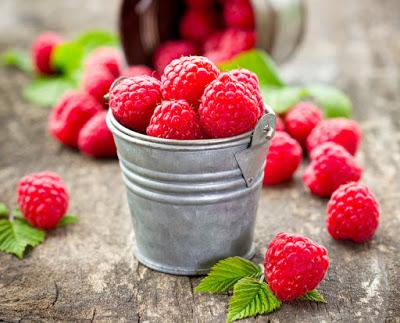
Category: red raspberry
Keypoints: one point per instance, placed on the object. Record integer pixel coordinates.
(199, 3)
(197, 24)
(97, 82)
(331, 166)
(43, 199)
(138, 70)
(175, 120)
(107, 57)
(239, 14)
(283, 159)
(171, 50)
(353, 213)
(133, 101)
(213, 41)
(69, 116)
(95, 139)
(250, 80)
(301, 120)
(232, 42)
(228, 108)
(42, 50)
(344, 132)
(187, 77)
(294, 265)
(280, 125)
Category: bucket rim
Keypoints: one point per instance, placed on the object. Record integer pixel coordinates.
(117, 127)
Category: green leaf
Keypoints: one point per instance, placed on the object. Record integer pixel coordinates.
(46, 91)
(282, 99)
(224, 275)
(4, 211)
(313, 296)
(18, 214)
(18, 59)
(17, 235)
(250, 298)
(333, 101)
(259, 63)
(96, 38)
(67, 57)
(68, 219)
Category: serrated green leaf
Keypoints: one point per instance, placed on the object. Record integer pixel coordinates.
(313, 296)
(226, 273)
(282, 99)
(333, 101)
(68, 219)
(250, 298)
(258, 62)
(96, 38)
(46, 91)
(17, 235)
(18, 59)
(68, 57)
(4, 211)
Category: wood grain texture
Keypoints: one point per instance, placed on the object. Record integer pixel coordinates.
(87, 272)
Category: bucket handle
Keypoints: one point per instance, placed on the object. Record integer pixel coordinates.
(252, 159)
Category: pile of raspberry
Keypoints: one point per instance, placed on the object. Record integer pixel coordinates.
(217, 29)
(193, 100)
(331, 145)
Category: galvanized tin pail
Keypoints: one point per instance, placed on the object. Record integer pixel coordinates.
(192, 202)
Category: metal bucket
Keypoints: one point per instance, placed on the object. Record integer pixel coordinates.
(192, 202)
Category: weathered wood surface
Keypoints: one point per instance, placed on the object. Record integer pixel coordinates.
(87, 271)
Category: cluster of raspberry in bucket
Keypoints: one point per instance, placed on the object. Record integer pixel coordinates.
(217, 29)
(193, 100)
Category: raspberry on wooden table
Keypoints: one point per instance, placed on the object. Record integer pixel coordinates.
(42, 50)
(97, 82)
(69, 116)
(43, 199)
(353, 213)
(294, 265)
(105, 57)
(133, 101)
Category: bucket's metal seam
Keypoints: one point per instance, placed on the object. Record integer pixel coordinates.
(180, 270)
(197, 199)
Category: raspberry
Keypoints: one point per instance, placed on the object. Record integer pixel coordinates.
(197, 24)
(280, 125)
(301, 120)
(344, 132)
(283, 159)
(95, 139)
(42, 50)
(250, 80)
(199, 3)
(69, 116)
(43, 199)
(97, 82)
(187, 77)
(138, 70)
(331, 166)
(239, 14)
(228, 108)
(232, 42)
(171, 50)
(133, 101)
(213, 41)
(294, 265)
(107, 57)
(175, 120)
(353, 213)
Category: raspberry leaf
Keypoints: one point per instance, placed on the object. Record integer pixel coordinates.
(68, 219)
(313, 296)
(18, 214)
(333, 101)
(250, 298)
(282, 99)
(17, 235)
(226, 273)
(4, 211)
(258, 62)
(18, 59)
(95, 38)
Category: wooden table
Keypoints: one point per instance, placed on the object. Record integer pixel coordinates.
(88, 272)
